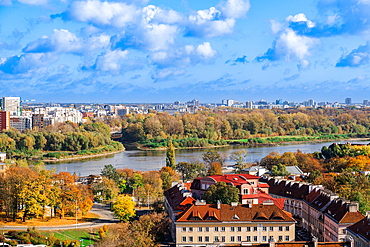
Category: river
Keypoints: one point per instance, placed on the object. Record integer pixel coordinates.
(155, 160)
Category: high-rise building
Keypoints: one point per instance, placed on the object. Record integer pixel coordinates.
(12, 105)
(366, 102)
(38, 121)
(4, 120)
(21, 122)
(279, 101)
(249, 104)
(348, 101)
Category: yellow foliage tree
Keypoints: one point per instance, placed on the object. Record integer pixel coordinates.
(124, 208)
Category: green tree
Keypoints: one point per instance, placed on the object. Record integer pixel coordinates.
(279, 170)
(240, 159)
(124, 208)
(170, 155)
(221, 192)
(212, 156)
(192, 170)
(109, 171)
(313, 175)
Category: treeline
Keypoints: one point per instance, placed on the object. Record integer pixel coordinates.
(27, 193)
(236, 124)
(61, 137)
(339, 168)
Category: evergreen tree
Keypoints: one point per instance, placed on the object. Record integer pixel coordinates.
(170, 155)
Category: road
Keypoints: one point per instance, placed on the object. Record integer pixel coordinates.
(106, 218)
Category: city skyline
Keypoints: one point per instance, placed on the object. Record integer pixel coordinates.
(163, 51)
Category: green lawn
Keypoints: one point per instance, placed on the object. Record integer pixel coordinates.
(75, 234)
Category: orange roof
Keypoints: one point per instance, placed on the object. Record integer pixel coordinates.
(351, 217)
(235, 179)
(258, 213)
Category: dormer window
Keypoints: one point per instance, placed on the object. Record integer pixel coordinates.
(235, 217)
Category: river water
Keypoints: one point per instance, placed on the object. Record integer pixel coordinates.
(155, 160)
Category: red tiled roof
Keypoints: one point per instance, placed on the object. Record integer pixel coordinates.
(361, 228)
(338, 211)
(257, 213)
(176, 198)
(235, 179)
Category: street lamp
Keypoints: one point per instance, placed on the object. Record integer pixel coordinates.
(76, 213)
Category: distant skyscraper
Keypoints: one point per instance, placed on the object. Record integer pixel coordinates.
(249, 104)
(311, 102)
(224, 102)
(348, 101)
(366, 102)
(12, 105)
(279, 101)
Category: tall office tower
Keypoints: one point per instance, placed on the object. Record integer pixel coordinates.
(249, 104)
(366, 102)
(4, 120)
(348, 101)
(12, 105)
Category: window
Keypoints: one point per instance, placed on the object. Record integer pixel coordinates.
(344, 231)
(271, 228)
(232, 239)
(286, 238)
(287, 228)
(248, 238)
(222, 229)
(190, 239)
(190, 229)
(216, 239)
(239, 229)
(245, 191)
(264, 228)
(239, 238)
(248, 228)
(200, 239)
(280, 228)
(206, 239)
(280, 238)
(184, 229)
(216, 228)
(200, 229)
(223, 239)
(264, 238)
(232, 229)
(183, 239)
(207, 229)
(255, 238)
(255, 228)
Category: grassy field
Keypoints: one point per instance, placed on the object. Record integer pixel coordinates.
(89, 236)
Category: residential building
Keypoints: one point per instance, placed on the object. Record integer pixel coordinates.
(38, 121)
(21, 122)
(348, 101)
(251, 190)
(12, 105)
(255, 170)
(360, 232)
(319, 211)
(3, 165)
(203, 224)
(4, 120)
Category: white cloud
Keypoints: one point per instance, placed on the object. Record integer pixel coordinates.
(235, 8)
(300, 18)
(64, 41)
(103, 13)
(167, 73)
(332, 18)
(111, 61)
(292, 45)
(205, 51)
(275, 26)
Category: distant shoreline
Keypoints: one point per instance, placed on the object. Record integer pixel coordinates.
(55, 160)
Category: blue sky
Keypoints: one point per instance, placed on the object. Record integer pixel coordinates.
(167, 50)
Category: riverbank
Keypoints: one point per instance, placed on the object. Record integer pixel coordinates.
(260, 141)
(80, 157)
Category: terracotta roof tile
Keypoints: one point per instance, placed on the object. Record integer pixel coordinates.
(361, 228)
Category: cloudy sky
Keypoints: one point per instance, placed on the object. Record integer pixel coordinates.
(169, 50)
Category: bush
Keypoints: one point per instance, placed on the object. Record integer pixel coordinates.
(67, 243)
(101, 233)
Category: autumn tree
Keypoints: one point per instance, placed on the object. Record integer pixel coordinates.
(240, 160)
(191, 170)
(124, 208)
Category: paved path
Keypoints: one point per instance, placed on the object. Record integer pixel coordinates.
(106, 217)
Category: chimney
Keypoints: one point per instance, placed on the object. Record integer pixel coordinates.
(234, 204)
(315, 242)
(353, 207)
(368, 214)
(218, 204)
(200, 203)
